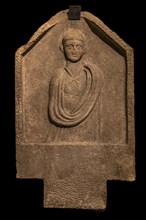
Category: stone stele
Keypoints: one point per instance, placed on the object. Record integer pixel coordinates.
(75, 111)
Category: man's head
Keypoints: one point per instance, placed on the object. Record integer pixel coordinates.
(73, 43)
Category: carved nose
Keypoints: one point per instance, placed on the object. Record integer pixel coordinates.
(75, 48)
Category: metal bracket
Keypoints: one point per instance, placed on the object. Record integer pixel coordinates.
(74, 12)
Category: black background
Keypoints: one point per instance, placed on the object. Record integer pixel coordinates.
(19, 20)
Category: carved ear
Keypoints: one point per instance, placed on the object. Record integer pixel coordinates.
(84, 51)
(61, 47)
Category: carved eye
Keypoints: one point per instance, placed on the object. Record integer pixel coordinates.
(79, 47)
(69, 46)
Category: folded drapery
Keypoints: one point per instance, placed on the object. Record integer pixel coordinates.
(58, 114)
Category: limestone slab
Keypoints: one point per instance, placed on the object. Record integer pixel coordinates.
(75, 110)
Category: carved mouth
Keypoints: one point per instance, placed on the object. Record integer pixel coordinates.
(74, 55)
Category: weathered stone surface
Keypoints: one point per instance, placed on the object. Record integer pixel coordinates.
(75, 111)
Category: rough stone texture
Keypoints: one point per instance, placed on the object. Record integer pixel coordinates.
(75, 157)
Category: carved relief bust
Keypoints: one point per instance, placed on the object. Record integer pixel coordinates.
(75, 88)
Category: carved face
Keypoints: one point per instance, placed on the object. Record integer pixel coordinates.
(74, 49)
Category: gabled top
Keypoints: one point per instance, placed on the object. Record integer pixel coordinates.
(96, 25)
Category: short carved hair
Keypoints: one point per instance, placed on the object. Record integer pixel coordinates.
(71, 34)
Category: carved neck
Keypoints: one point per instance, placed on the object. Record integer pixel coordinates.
(75, 68)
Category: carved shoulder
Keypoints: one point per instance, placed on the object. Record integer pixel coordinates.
(57, 75)
(98, 73)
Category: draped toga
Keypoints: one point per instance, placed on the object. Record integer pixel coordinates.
(72, 98)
